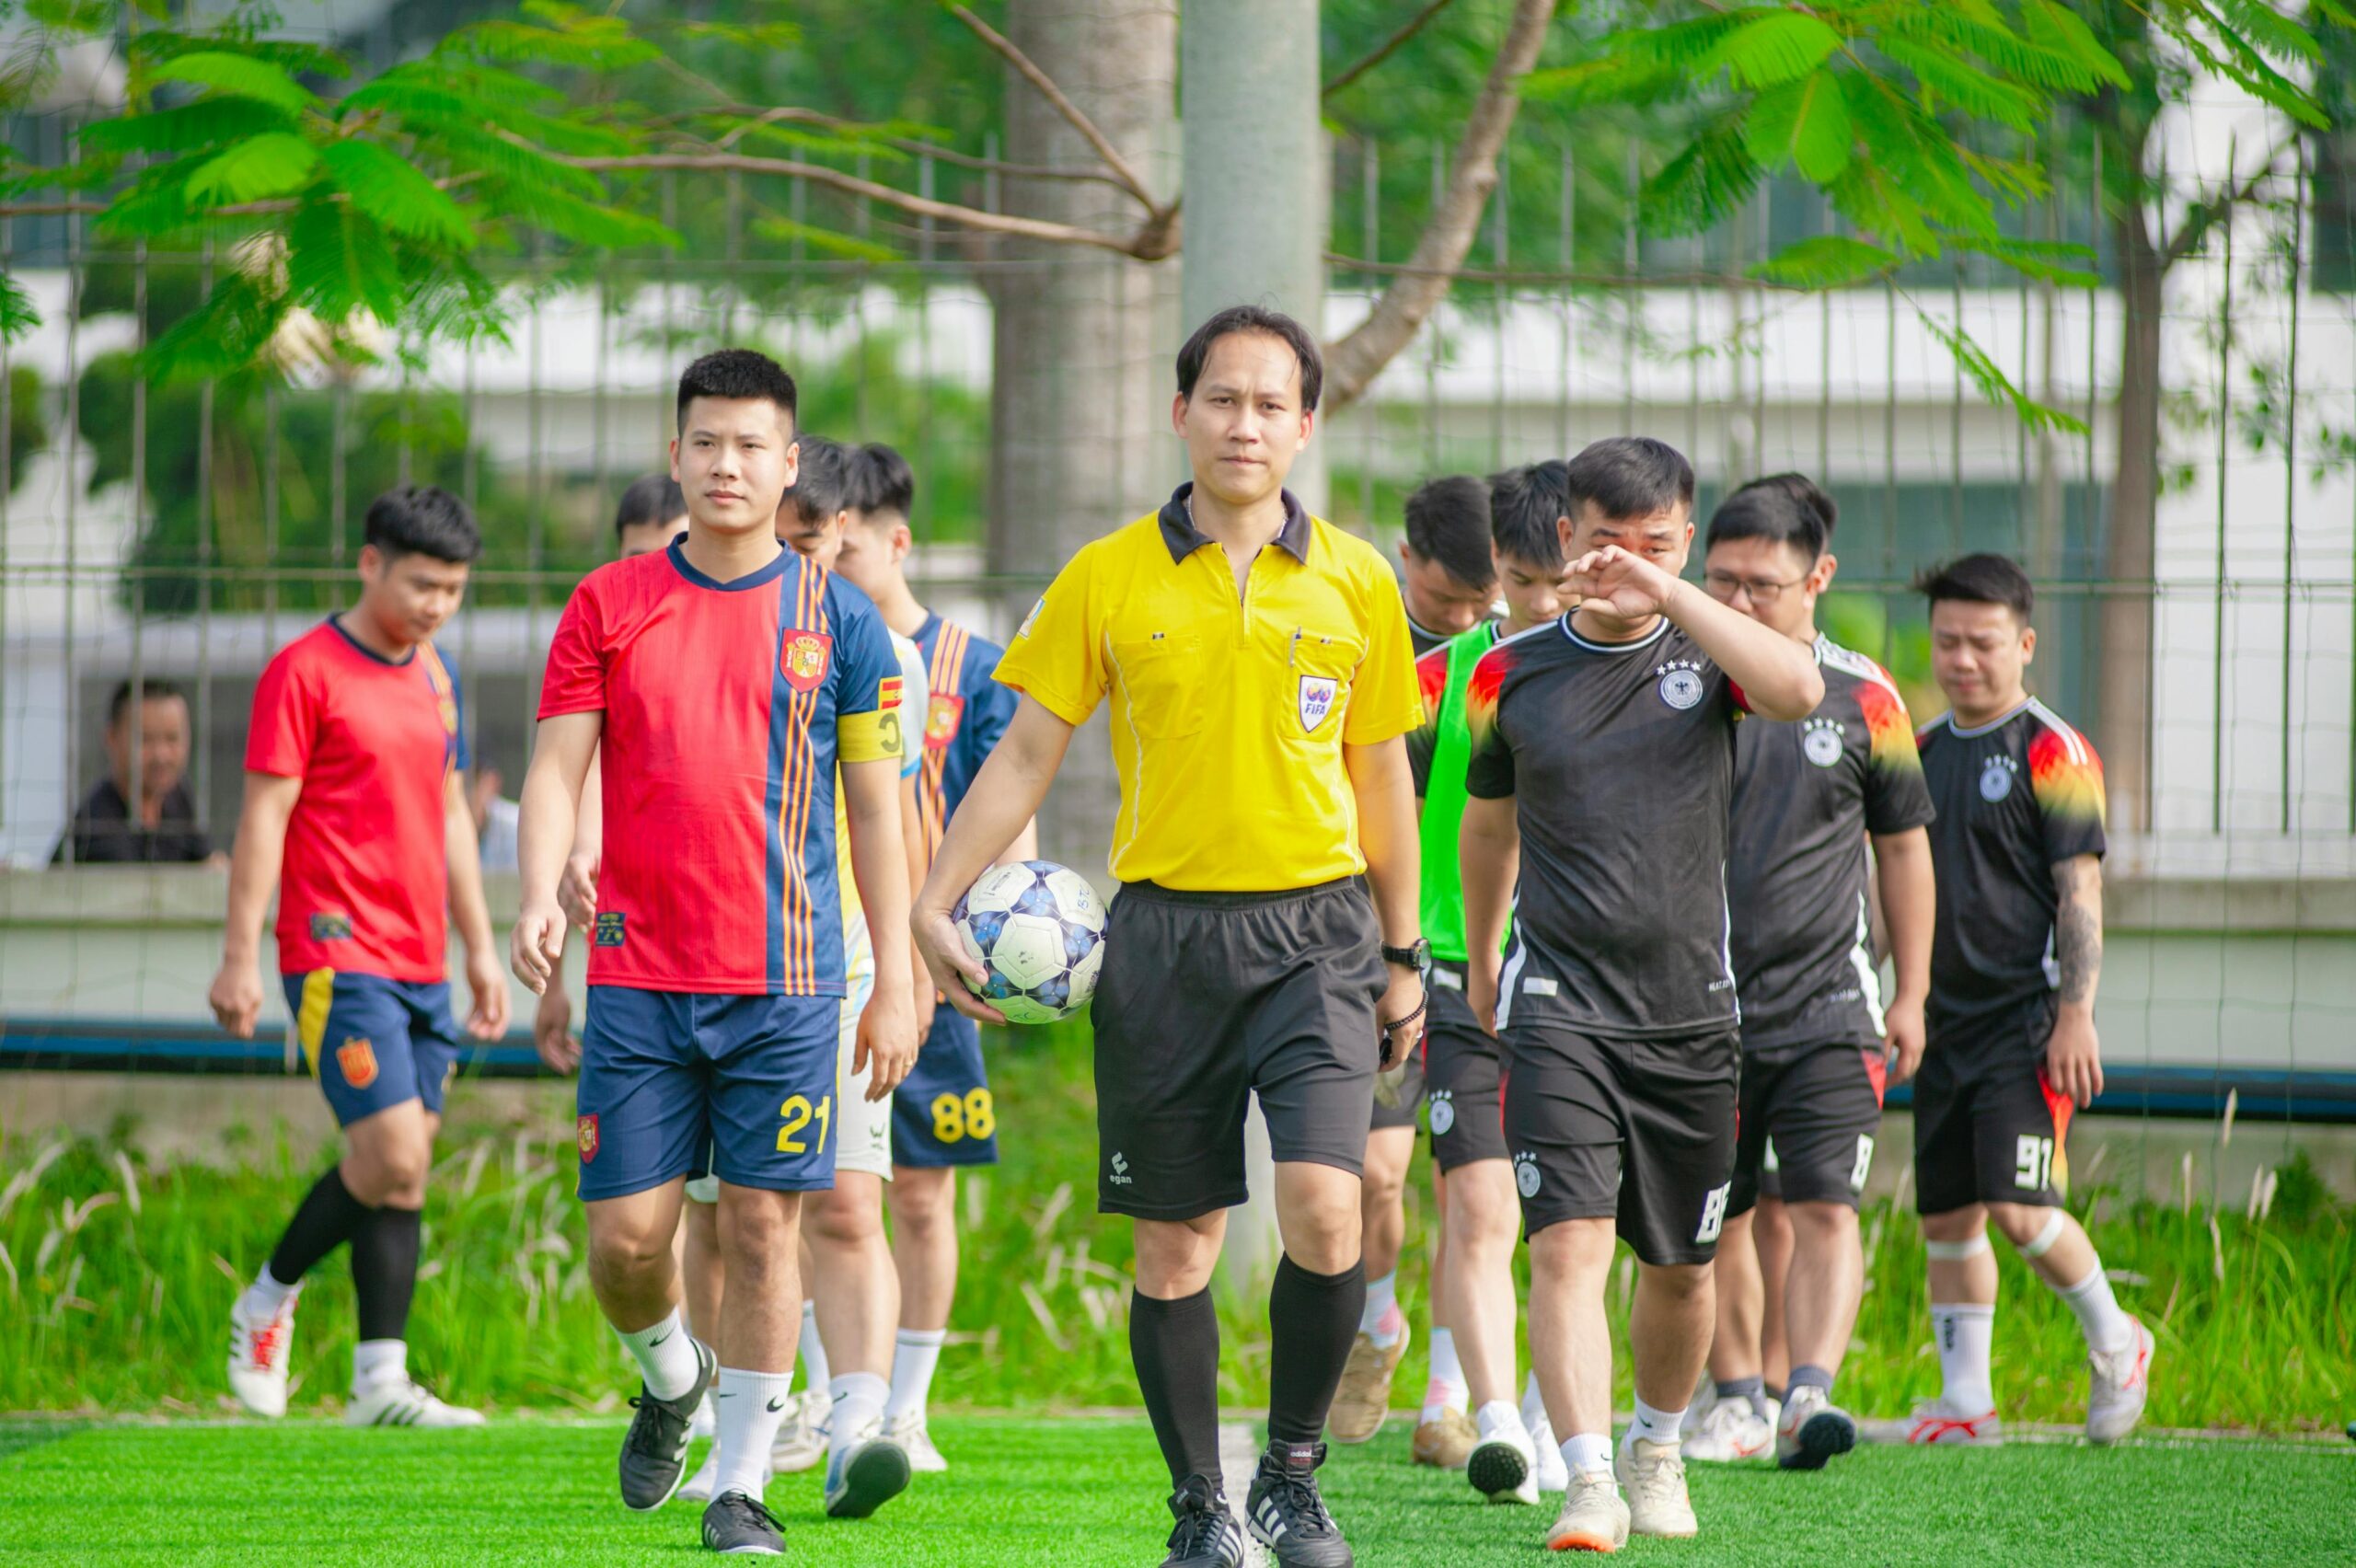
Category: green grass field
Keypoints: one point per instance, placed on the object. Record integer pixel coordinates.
(1087, 1491)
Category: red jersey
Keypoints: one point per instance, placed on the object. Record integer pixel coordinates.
(727, 706)
(365, 885)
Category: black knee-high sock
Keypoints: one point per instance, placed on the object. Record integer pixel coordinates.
(1176, 1346)
(384, 1272)
(326, 1218)
(1312, 1317)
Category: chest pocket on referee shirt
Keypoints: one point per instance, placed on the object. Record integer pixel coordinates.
(1314, 677)
(1163, 679)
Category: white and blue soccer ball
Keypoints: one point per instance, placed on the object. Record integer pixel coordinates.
(1039, 929)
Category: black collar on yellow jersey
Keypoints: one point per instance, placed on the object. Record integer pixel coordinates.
(1178, 530)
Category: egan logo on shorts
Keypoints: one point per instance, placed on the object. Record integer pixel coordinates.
(1443, 1110)
(1713, 1214)
(1525, 1174)
(1120, 1172)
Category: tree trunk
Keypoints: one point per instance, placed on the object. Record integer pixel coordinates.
(2123, 721)
(1082, 340)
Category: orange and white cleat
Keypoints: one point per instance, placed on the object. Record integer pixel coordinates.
(2121, 1382)
(1937, 1422)
(258, 1352)
(1593, 1517)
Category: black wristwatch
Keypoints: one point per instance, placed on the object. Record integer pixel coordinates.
(1418, 955)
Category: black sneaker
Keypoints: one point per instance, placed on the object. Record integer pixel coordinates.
(738, 1525)
(1206, 1536)
(1285, 1513)
(654, 1452)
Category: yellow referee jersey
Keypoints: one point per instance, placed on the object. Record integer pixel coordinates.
(1228, 714)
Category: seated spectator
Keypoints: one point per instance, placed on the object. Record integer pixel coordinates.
(166, 829)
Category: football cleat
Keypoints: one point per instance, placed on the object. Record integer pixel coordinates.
(909, 1433)
(398, 1401)
(1446, 1443)
(1206, 1536)
(257, 1352)
(1286, 1513)
(1731, 1429)
(737, 1526)
(1653, 1475)
(654, 1449)
(1934, 1421)
(1503, 1467)
(1813, 1430)
(1593, 1517)
(1363, 1401)
(869, 1471)
(2121, 1382)
(801, 1442)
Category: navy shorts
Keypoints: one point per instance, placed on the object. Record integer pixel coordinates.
(373, 1042)
(673, 1083)
(942, 1113)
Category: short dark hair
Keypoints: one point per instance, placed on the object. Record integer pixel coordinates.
(656, 498)
(886, 483)
(1448, 521)
(825, 481)
(152, 689)
(1253, 319)
(423, 520)
(1785, 509)
(1524, 505)
(1980, 579)
(1628, 476)
(740, 374)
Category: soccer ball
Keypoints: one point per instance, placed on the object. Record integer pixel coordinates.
(1039, 929)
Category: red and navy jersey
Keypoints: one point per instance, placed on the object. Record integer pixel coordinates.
(727, 707)
(365, 885)
(1806, 794)
(1619, 759)
(2014, 798)
(967, 713)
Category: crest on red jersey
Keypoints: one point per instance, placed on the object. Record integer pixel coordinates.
(802, 659)
(943, 717)
(357, 1058)
(587, 1133)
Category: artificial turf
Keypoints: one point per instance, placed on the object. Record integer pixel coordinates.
(1087, 1490)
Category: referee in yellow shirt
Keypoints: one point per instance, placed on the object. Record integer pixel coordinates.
(1263, 686)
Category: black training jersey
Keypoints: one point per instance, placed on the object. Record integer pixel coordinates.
(2014, 798)
(1620, 757)
(1805, 796)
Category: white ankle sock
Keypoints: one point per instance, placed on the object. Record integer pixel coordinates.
(749, 1408)
(262, 1298)
(1965, 1335)
(814, 1350)
(374, 1360)
(2104, 1325)
(1446, 1390)
(1589, 1453)
(916, 1353)
(1380, 1320)
(1533, 1404)
(665, 1355)
(859, 1399)
(1656, 1425)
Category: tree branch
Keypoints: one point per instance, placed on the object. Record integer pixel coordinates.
(793, 115)
(1388, 47)
(1155, 240)
(1352, 364)
(2200, 219)
(1125, 175)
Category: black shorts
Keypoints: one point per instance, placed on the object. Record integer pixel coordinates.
(1207, 997)
(1640, 1130)
(1813, 1112)
(1988, 1128)
(1463, 1069)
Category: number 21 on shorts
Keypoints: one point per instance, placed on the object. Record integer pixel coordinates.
(798, 1112)
(2033, 1163)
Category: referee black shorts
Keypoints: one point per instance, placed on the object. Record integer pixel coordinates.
(1209, 998)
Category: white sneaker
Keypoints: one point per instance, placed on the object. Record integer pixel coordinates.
(802, 1440)
(1653, 1475)
(1731, 1430)
(704, 1425)
(2121, 1382)
(1593, 1517)
(398, 1401)
(257, 1352)
(1812, 1430)
(1552, 1474)
(868, 1472)
(909, 1433)
(1936, 1422)
(1503, 1466)
(697, 1488)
